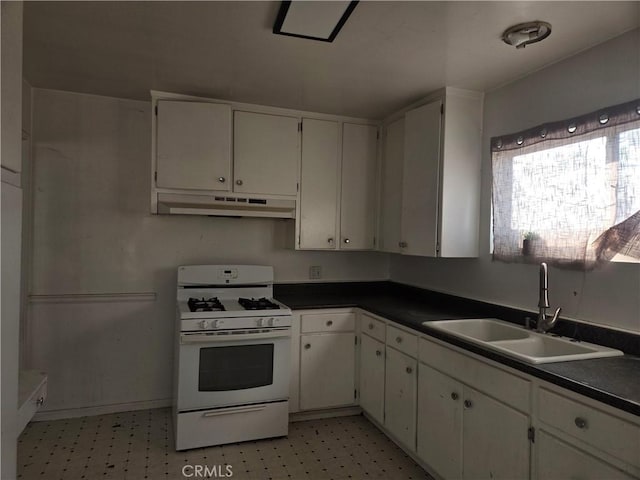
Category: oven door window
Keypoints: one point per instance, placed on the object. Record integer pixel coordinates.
(235, 368)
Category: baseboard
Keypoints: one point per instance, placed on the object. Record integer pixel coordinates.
(100, 410)
(326, 413)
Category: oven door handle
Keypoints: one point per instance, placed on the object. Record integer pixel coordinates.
(203, 338)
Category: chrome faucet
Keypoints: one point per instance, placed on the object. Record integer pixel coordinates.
(545, 323)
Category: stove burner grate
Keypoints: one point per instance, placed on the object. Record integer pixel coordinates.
(257, 304)
(208, 305)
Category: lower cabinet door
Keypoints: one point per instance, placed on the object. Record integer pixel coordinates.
(559, 460)
(401, 384)
(495, 439)
(327, 370)
(372, 377)
(440, 422)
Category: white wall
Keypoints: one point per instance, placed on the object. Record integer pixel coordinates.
(605, 75)
(11, 218)
(101, 314)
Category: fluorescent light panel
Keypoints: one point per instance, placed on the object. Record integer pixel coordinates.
(317, 20)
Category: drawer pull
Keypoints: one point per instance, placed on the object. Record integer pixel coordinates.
(378, 353)
(371, 326)
(468, 404)
(329, 323)
(399, 339)
(454, 395)
(307, 346)
(409, 369)
(580, 422)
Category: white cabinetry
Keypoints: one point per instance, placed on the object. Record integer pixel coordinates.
(441, 157)
(391, 187)
(338, 186)
(327, 360)
(372, 357)
(579, 438)
(319, 177)
(358, 192)
(558, 459)
(463, 432)
(400, 397)
(193, 145)
(265, 153)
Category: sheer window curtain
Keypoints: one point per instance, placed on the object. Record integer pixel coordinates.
(568, 192)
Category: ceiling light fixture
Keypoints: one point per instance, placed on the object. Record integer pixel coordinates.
(315, 20)
(523, 34)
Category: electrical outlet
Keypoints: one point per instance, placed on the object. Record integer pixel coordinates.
(315, 272)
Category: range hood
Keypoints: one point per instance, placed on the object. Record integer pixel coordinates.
(226, 206)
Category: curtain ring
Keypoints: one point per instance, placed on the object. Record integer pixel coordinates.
(520, 140)
(572, 128)
(499, 143)
(543, 133)
(603, 119)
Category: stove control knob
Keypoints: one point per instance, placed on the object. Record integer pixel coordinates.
(217, 323)
(272, 322)
(260, 322)
(203, 324)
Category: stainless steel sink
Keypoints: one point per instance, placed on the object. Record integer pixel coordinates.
(515, 341)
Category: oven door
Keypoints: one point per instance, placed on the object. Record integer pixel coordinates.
(220, 369)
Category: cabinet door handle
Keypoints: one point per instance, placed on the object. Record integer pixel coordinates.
(402, 244)
(330, 240)
(409, 370)
(454, 395)
(307, 346)
(329, 323)
(346, 240)
(378, 353)
(580, 422)
(40, 401)
(222, 179)
(371, 326)
(399, 339)
(468, 404)
(238, 182)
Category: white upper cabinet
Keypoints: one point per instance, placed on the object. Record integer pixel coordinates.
(319, 176)
(338, 186)
(419, 234)
(193, 146)
(358, 192)
(440, 171)
(266, 152)
(391, 187)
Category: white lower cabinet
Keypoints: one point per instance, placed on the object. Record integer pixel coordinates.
(372, 360)
(559, 460)
(401, 385)
(440, 422)
(463, 433)
(327, 360)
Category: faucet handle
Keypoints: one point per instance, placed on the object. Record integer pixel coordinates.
(556, 315)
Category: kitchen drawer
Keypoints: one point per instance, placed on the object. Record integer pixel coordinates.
(497, 383)
(404, 341)
(32, 394)
(608, 433)
(328, 322)
(372, 327)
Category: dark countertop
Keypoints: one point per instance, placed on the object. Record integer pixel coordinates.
(614, 380)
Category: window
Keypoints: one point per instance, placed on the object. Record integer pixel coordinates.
(569, 192)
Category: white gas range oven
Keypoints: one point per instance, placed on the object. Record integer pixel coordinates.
(231, 376)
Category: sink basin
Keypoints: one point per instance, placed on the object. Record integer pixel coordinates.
(515, 341)
(483, 329)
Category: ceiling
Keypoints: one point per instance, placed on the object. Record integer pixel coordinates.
(387, 55)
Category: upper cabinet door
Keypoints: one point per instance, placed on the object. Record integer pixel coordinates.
(193, 145)
(319, 184)
(391, 187)
(358, 197)
(266, 153)
(421, 179)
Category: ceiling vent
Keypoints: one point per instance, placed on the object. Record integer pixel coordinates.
(523, 34)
